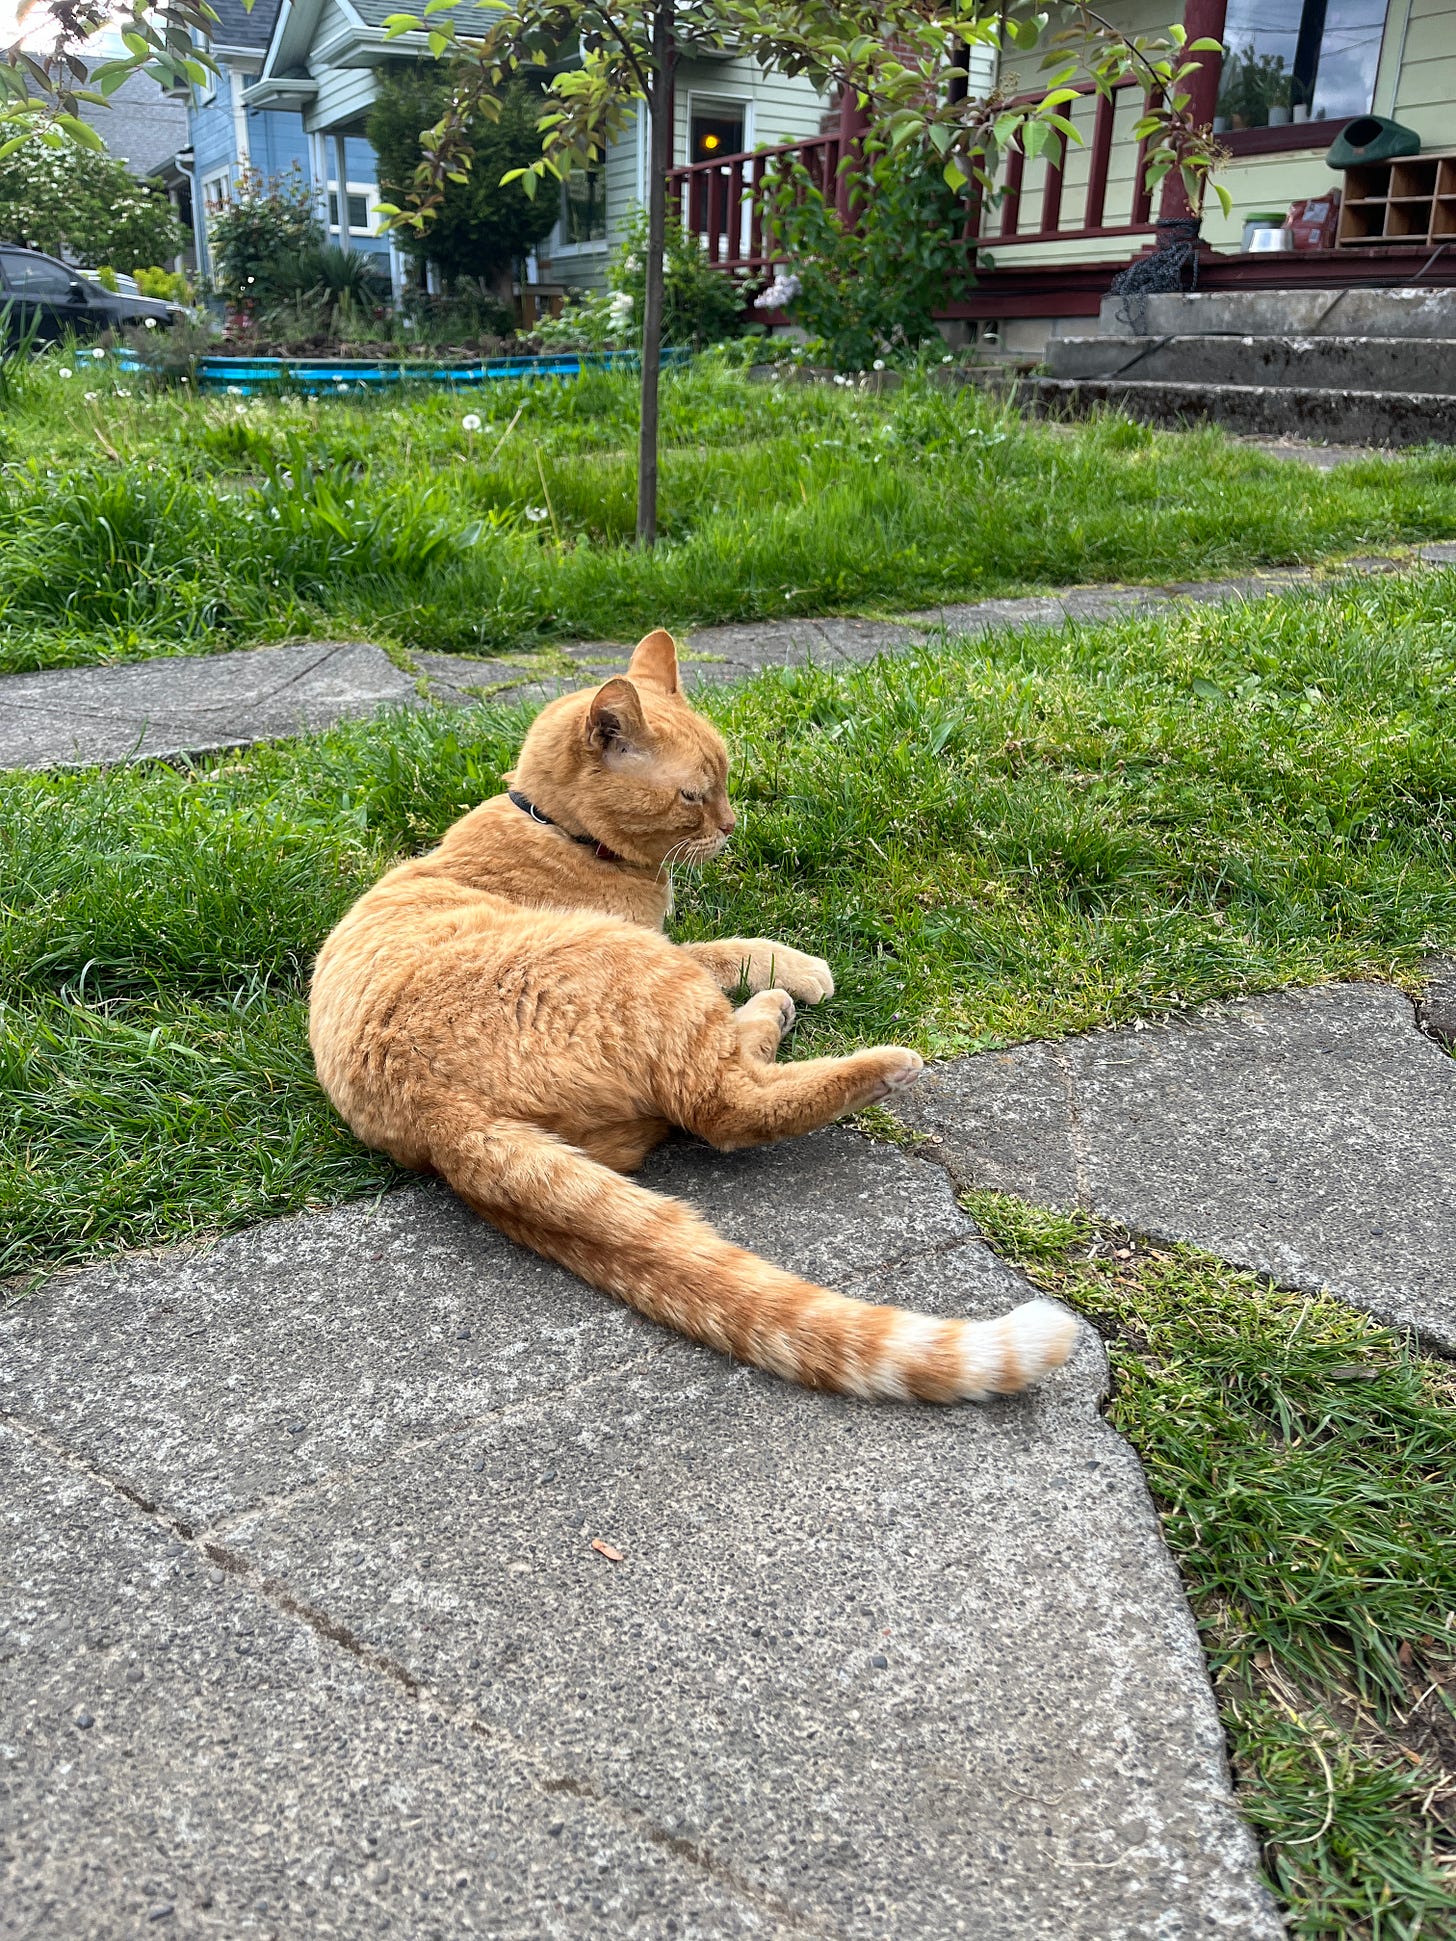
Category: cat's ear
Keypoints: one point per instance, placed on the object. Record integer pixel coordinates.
(654, 660)
(614, 719)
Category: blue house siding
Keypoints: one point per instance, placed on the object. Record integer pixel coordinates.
(277, 145)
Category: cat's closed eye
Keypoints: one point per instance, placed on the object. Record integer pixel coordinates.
(690, 795)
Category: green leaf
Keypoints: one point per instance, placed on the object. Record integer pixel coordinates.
(1207, 690)
(1225, 200)
(80, 132)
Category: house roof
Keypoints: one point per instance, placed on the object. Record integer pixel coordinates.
(468, 19)
(237, 27)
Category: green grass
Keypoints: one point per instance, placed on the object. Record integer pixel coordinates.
(1304, 1466)
(990, 841)
(135, 523)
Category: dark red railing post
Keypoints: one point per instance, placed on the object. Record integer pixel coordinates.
(755, 208)
(735, 211)
(1011, 198)
(1051, 194)
(1099, 160)
(850, 161)
(1202, 20)
(715, 213)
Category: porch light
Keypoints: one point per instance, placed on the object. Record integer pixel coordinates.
(711, 141)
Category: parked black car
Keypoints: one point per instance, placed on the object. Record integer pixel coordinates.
(59, 299)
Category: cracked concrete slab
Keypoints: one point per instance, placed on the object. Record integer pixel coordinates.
(182, 705)
(184, 1755)
(863, 1671)
(1310, 1135)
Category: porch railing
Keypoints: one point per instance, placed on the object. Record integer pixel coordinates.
(1052, 199)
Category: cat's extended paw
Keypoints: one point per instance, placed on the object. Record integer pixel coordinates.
(897, 1068)
(809, 979)
(763, 1023)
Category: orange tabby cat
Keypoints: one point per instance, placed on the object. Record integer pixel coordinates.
(506, 1012)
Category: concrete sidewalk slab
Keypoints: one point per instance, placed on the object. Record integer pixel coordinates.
(187, 706)
(1308, 1134)
(184, 1757)
(183, 705)
(861, 1671)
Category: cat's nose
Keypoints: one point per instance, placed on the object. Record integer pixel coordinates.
(727, 821)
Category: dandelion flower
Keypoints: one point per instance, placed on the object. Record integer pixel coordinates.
(150, 322)
(537, 513)
(879, 363)
(65, 371)
(98, 352)
(471, 421)
(235, 391)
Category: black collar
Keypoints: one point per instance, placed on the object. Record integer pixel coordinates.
(600, 849)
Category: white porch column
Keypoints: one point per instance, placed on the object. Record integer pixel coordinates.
(342, 172)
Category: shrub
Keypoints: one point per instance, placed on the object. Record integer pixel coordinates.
(700, 304)
(869, 289)
(266, 221)
(480, 227)
(82, 203)
(168, 286)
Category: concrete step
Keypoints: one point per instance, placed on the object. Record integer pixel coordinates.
(1281, 313)
(1265, 410)
(1318, 363)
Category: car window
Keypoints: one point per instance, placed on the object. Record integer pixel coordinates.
(33, 276)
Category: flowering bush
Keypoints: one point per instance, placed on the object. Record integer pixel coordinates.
(700, 304)
(266, 221)
(83, 204)
(868, 290)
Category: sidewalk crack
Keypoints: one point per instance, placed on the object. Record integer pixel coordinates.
(536, 1764)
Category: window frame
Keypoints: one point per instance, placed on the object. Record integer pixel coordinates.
(369, 229)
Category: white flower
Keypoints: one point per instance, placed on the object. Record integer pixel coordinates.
(781, 291)
(947, 359)
(621, 303)
(241, 409)
(879, 363)
(92, 396)
(122, 394)
(98, 352)
(471, 421)
(150, 322)
(64, 371)
(234, 391)
(538, 512)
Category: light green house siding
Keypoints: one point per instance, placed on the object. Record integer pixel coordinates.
(1416, 82)
(776, 107)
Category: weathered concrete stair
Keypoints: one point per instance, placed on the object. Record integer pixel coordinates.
(1353, 366)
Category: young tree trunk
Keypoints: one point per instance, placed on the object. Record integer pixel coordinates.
(660, 158)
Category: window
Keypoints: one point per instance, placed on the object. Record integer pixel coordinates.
(583, 208)
(37, 277)
(716, 129)
(214, 193)
(1298, 60)
(358, 196)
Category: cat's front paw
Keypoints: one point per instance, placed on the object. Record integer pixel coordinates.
(807, 979)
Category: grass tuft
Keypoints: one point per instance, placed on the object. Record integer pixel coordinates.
(1303, 1460)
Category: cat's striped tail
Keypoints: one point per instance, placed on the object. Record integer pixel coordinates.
(662, 1259)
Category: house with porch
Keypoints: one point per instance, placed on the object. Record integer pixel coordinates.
(1295, 74)
(296, 80)
(238, 125)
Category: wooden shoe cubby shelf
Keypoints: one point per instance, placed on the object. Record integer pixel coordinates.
(1411, 200)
